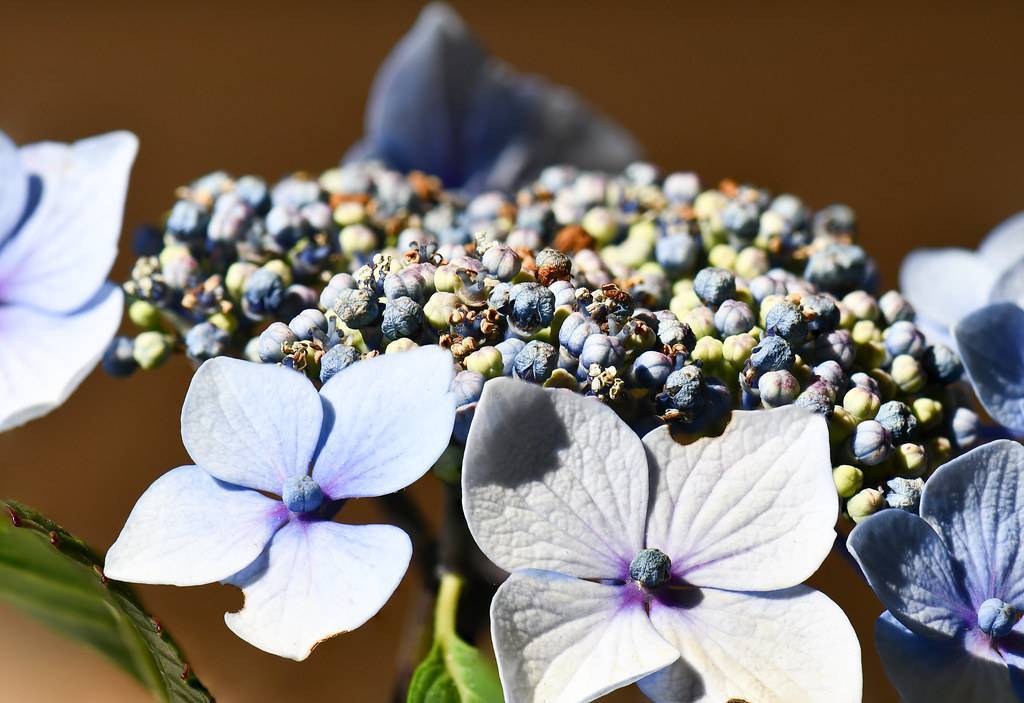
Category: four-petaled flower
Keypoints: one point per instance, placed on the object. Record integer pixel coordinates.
(60, 217)
(953, 581)
(674, 566)
(373, 429)
(442, 105)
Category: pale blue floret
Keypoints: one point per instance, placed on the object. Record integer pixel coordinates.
(301, 494)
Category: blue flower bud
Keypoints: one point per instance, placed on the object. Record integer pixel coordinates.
(963, 428)
(904, 338)
(337, 359)
(895, 308)
(771, 354)
(407, 283)
(816, 400)
(870, 443)
(838, 268)
(262, 293)
(763, 286)
(677, 253)
(836, 220)
(253, 190)
(301, 494)
(943, 364)
(574, 332)
(787, 321)
(567, 362)
(273, 339)
(187, 221)
(402, 318)
(509, 349)
(837, 346)
(832, 373)
(686, 388)
(602, 350)
(734, 317)
(565, 294)
(650, 568)
(118, 359)
(898, 419)
(297, 298)
(531, 307)
(864, 381)
(552, 265)
(205, 341)
(338, 283)
(309, 325)
(467, 387)
(650, 370)
(778, 388)
(741, 219)
(821, 312)
(904, 494)
(501, 262)
(357, 308)
(536, 361)
(714, 286)
(681, 187)
(672, 332)
(997, 618)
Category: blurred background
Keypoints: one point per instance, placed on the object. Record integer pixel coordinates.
(908, 112)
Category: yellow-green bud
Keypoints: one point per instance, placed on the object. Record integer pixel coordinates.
(886, 386)
(683, 303)
(349, 213)
(865, 331)
(939, 450)
(448, 466)
(600, 223)
(751, 262)
(865, 504)
(446, 280)
(722, 256)
(769, 302)
(400, 345)
(911, 460)
(736, 349)
(871, 354)
(439, 307)
(224, 321)
(644, 231)
(357, 239)
(708, 350)
(145, 315)
(908, 373)
(560, 378)
(283, 270)
(701, 321)
(486, 361)
(744, 296)
(151, 349)
(709, 203)
(928, 412)
(841, 425)
(846, 317)
(861, 403)
(237, 274)
(848, 480)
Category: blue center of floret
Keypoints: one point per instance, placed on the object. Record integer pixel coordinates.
(650, 568)
(301, 494)
(996, 617)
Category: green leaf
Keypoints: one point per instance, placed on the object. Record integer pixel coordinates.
(56, 578)
(453, 672)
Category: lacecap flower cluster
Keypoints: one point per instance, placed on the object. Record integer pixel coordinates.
(670, 301)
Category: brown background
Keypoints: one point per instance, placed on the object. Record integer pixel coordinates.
(909, 113)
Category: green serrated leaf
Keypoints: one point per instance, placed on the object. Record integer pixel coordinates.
(56, 578)
(453, 671)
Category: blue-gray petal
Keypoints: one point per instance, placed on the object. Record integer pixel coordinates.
(991, 344)
(926, 670)
(442, 105)
(13, 187)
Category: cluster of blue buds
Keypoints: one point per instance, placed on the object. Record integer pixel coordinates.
(669, 301)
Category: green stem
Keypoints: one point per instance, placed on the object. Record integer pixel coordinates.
(447, 605)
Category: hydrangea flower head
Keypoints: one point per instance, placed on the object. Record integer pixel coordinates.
(441, 104)
(256, 429)
(677, 567)
(60, 217)
(953, 581)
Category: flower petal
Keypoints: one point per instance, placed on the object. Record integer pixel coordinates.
(1009, 287)
(440, 104)
(188, 529)
(789, 646)
(251, 424)
(944, 285)
(64, 251)
(976, 504)
(13, 187)
(561, 640)
(911, 572)
(316, 580)
(387, 420)
(1004, 245)
(753, 509)
(926, 670)
(553, 480)
(991, 344)
(49, 355)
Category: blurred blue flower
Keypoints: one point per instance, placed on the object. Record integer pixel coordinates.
(953, 581)
(991, 344)
(946, 285)
(442, 105)
(257, 429)
(60, 218)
